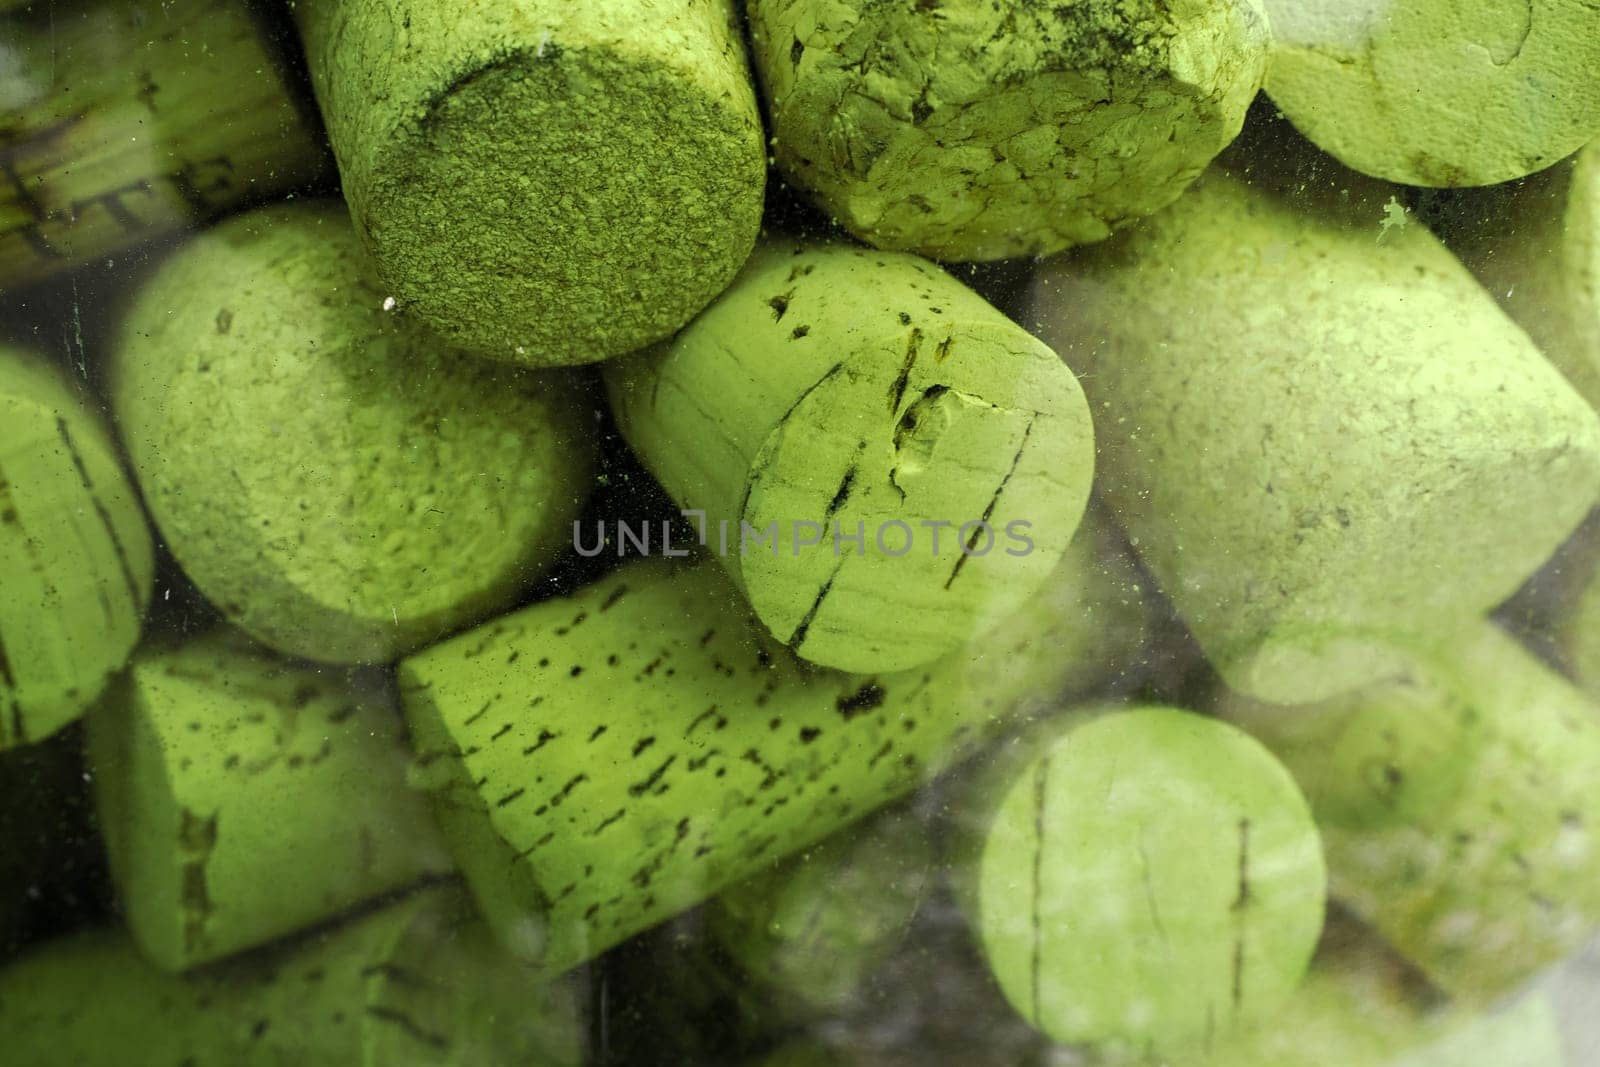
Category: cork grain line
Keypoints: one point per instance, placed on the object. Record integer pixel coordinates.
(994, 501)
(129, 582)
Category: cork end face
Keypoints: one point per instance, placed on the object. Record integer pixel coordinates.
(951, 507)
(969, 134)
(1438, 94)
(1185, 901)
(566, 205)
(316, 462)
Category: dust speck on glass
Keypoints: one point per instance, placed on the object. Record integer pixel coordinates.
(799, 533)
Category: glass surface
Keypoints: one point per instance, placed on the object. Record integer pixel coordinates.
(799, 532)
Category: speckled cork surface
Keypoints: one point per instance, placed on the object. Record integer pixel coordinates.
(968, 130)
(216, 762)
(342, 485)
(1370, 450)
(417, 983)
(837, 393)
(543, 182)
(75, 553)
(603, 762)
(1458, 800)
(1439, 93)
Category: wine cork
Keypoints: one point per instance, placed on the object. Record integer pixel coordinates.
(124, 120)
(604, 761)
(1142, 881)
(811, 930)
(243, 799)
(1457, 799)
(885, 464)
(417, 983)
(986, 131)
(543, 182)
(1360, 1007)
(1373, 450)
(75, 553)
(1535, 245)
(1429, 92)
(341, 485)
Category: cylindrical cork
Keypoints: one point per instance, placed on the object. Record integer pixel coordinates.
(123, 120)
(1459, 801)
(811, 930)
(1535, 245)
(417, 983)
(605, 761)
(980, 131)
(885, 463)
(1375, 449)
(1140, 880)
(243, 798)
(541, 181)
(342, 485)
(1438, 93)
(75, 553)
(1362, 1007)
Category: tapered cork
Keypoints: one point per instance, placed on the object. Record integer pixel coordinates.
(342, 485)
(1373, 450)
(75, 553)
(543, 182)
(885, 463)
(125, 121)
(243, 798)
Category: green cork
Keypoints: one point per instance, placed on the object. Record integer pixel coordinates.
(1140, 881)
(541, 181)
(1360, 1007)
(1535, 245)
(811, 931)
(75, 553)
(419, 983)
(343, 486)
(885, 463)
(1458, 799)
(243, 798)
(1438, 93)
(604, 761)
(980, 131)
(125, 120)
(1373, 450)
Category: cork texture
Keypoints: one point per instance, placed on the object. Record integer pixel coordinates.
(867, 394)
(1373, 450)
(75, 551)
(969, 130)
(543, 182)
(340, 484)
